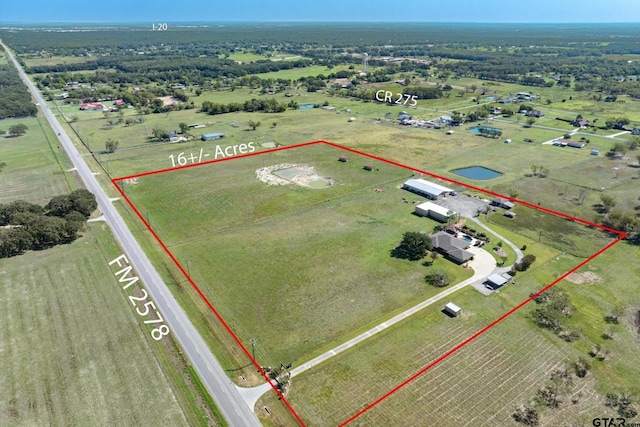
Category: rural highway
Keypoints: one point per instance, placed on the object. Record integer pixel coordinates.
(229, 401)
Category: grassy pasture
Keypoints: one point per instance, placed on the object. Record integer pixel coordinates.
(489, 378)
(35, 165)
(326, 266)
(74, 353)
(336, 390)
(55, 60)
(297, 73)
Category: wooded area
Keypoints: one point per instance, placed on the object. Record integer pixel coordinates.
(27, 226)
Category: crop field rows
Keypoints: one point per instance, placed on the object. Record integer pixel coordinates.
(488, 378)
(388, 364)
(72, 352)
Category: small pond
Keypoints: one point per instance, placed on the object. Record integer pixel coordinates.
(477, 172)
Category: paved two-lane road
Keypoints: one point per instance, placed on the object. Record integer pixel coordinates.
(225, 394)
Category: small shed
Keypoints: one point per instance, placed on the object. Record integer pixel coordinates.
(343, 159)
(452, 309)
(595, 152)
(368, 168)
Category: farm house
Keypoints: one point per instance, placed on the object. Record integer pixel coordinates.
(434, 211)
(451, 247)
(427, 189)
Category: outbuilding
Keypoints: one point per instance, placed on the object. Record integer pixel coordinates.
(212, 136)
(496, 281)
(502, 203)
(430, 190)
(437, 212)
(452, 309)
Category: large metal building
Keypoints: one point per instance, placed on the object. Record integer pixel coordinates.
(427, 189)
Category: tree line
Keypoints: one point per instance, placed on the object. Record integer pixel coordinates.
(27, 226)
(15, 100)
(264, 105)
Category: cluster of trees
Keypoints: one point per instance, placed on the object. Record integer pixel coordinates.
(623, 403)
(28, 226)
(539, 170)
(561, 383)
(618, 220)
(526, 262)
(266, 105)
(15, 100)
(554, 308)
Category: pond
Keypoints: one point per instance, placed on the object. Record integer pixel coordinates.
(477, 172)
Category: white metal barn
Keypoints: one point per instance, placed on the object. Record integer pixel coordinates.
(430, 190)
(434, 211)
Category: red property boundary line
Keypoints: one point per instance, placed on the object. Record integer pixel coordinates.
(621, 236)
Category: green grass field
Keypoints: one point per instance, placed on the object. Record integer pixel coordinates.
(489, 378)
(35, 165)
(73, 350)
(285, 240)
(200, 230)
(54, 60)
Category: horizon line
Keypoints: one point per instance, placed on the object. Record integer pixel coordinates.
(307, 21)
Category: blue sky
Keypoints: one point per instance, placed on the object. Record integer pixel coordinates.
(539, 11)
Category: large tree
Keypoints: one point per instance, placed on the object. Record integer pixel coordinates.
(18, 129)
(414, 246)
(184, 128)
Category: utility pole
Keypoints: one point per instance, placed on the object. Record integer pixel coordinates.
(252, 341)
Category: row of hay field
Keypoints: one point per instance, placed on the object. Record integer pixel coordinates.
(74, 352)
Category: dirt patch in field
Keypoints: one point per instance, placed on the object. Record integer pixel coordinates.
(286, 173)
(586, 277)
(131, 181)
(169, 100)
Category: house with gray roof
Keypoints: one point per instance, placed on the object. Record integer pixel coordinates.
(451, 247)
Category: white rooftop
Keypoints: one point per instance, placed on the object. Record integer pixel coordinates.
(429, 206)
(497, 279)
(427, 186)
(452, 307)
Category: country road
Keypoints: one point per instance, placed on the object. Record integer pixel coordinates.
(225, 394)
